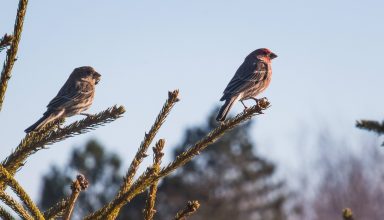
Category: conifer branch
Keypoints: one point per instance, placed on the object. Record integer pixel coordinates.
(12, 51)
(149, 210)
(191, 208)
(148, 138)
(146, 179)
(20, 192)
(15, 206)
(347, 214)
(77, 186)
(369, 125)
(57, 209)
(36, 141)
(5, 41)
(5, 215)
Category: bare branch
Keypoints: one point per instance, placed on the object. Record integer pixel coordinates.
(77, 186)
(5, 41)
(5, 215)
(191, 208)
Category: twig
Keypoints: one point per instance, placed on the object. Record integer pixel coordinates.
(5, 215)
(191, 207)
(12, 51)
(15, 206)
(369, 125)
(347, 214)
(146, 179)
(36, 141)
(149, 210)
(77, 186)
(5, 41)
(148, 138)
(20, 192)
(57, 210)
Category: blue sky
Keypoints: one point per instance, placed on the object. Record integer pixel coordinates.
(329, 72)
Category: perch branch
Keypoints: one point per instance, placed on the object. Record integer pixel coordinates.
(36, 141)
(146, 179)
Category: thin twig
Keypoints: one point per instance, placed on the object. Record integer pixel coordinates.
(12, 51)
(20, 192)
(146, 179)
(4, 214)
(191, 208)
(57, 210)
(5, 41)
(36, 141)
(347, 214)
(15, 206)
(148, 138)
(149, 210)
(77, 186)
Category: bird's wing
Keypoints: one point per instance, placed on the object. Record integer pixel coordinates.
(246, 76)
(68, 93)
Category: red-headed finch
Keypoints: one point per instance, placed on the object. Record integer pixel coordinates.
(74, 97)
(251, 78)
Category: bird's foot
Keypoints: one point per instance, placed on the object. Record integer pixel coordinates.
(86, 114)
(256, 100)
(245, 107)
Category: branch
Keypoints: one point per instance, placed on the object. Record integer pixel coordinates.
(5, 41)
(77, 186)
(191, 207)
(149, 210)
(371, 126)
(5, 215)
(148, 138)
(347, 214)
(146, 179)
(12, 52)
(57, 209)
(36, 141)
(15, 206)
(20, 192)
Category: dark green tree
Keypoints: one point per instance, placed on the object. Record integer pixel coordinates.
(102, 170)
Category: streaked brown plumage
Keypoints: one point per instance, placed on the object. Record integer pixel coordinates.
(74, 97)
(251, 78)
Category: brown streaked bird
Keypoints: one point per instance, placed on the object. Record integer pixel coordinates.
(74, 97)
(251, 78)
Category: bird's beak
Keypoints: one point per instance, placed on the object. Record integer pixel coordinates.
(97, 77)
(272, 56)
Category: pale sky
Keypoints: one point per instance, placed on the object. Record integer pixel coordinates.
(329, 72)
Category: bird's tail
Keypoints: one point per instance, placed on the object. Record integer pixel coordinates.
(225, 109)
(41, 123)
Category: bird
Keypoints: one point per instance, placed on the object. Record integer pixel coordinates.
(251, 78)
(74, 97)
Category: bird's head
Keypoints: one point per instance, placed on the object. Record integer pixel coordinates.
(86, 73)
(264, 54)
